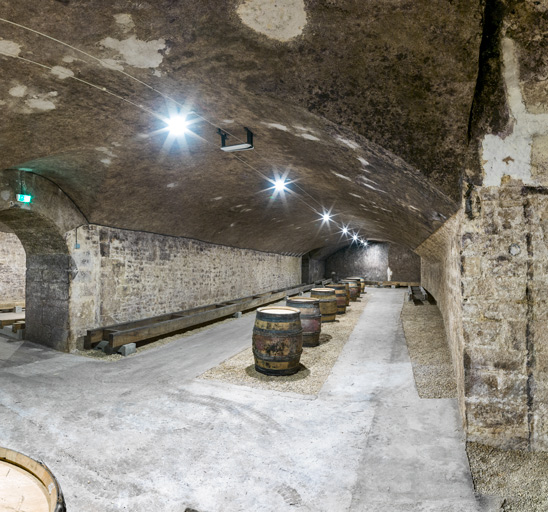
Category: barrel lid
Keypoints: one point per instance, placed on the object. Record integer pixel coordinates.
(302, 299)
(321, 290)
(278, 310)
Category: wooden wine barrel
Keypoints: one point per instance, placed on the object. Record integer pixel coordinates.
(311, 318)
(328, 303)
(27, 485)
(361, 280)
(347, 289)
(340, 293)
(354, 286)
(357, 281)
(277, 340)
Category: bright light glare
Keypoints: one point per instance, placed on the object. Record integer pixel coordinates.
(345, 230)
(279, 185)
(355, 238)
(326, 217)
(177, 125)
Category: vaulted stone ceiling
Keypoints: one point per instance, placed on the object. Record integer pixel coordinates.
(364, 105)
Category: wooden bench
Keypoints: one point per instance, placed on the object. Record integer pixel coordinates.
(10, 319)
(399, 284)
(162, 325)
(12, 307)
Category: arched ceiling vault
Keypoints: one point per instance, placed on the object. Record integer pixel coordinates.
(362, 105)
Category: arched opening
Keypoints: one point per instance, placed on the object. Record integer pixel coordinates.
(43, 226)
(12, 269)
(48, 276)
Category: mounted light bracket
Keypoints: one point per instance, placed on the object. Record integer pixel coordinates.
(236, 147)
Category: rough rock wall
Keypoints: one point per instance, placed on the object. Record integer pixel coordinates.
(405, 265)
(441, 276)
(315, 270)
(372, 262)
(127, 275)
(12, 268)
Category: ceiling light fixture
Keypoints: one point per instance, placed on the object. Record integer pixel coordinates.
(177, 125)
(236, 147)
(280, 185)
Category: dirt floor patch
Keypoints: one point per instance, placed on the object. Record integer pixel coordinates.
(316, 362)
(429, 351)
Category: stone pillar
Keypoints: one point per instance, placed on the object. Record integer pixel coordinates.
(504, 260)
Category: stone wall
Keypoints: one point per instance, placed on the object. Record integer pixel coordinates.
(12, 268)
(312, 269)
(441, 276)
(404, 264)
(127, 275)
(505, 320)
(372, 262)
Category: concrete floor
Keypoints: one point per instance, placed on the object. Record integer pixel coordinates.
(144, 434)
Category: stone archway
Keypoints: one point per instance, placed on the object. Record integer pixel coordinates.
(42, 227)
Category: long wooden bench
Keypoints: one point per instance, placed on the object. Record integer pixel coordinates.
(161, 325)
(12, 307)
(399, 284)
(10, 319)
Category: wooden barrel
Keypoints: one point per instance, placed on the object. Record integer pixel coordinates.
(354, 286)
(328, 303)
(347, 288)
(362, 282)
(277, 340)
(27, 485)
(311, 318)
(340, 293)
(357, 281)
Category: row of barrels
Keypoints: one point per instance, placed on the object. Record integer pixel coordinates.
(280, 332)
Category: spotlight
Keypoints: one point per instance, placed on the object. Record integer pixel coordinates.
(326, 217)
(177, 125)
(354, 238)
(345, 230)
(279, 185)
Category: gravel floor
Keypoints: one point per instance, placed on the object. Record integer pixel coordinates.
(518, 479)
(316, 362)
(428, 350)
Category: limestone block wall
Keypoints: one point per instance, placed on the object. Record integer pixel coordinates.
(126, 275)
(372, 262)
(441, 276)
(12, 268)
(505, 316)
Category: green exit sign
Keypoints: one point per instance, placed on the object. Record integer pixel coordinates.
(23, 198)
